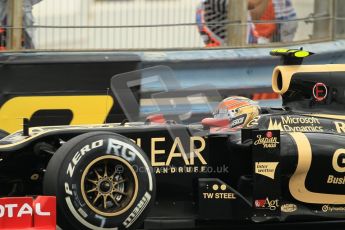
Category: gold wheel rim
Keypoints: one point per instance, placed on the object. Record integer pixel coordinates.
(101, 186)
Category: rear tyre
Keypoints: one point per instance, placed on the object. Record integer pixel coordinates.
(101, 180)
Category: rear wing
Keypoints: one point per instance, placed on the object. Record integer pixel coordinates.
(291, 56)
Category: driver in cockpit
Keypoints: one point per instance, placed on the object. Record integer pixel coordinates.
(232, 113)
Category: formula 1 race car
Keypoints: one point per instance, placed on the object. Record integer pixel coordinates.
(247, 164)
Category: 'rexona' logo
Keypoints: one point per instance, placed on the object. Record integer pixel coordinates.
(319, 91)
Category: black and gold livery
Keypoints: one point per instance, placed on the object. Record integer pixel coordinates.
(286, 165)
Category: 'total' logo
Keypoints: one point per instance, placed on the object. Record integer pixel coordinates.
(319, 91)
(28, 213)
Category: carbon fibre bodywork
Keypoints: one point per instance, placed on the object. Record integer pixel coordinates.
(261, 176)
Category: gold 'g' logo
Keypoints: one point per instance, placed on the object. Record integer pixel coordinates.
(297, 181)
(340, 153)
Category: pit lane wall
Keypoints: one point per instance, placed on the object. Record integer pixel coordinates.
(58, 88)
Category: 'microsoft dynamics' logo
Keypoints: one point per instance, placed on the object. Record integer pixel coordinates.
(295, 124)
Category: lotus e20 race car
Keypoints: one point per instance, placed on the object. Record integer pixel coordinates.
(246, 164)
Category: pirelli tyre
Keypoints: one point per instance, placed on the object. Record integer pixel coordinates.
(101, 180)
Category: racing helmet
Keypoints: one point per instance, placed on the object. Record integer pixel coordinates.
(239, 110)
